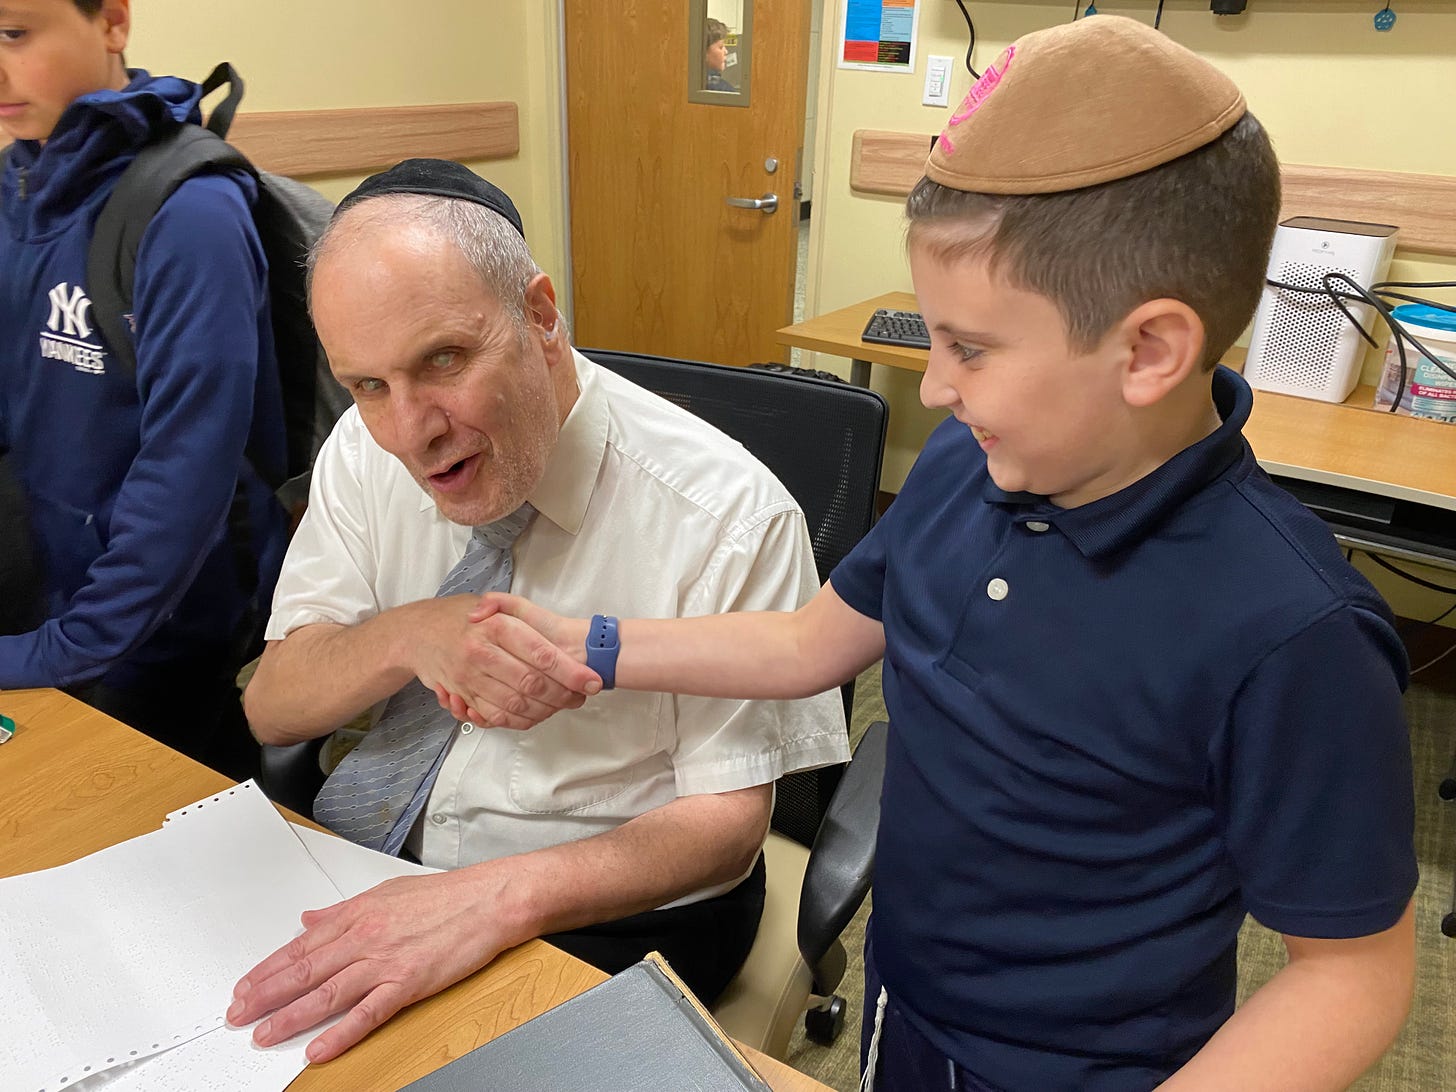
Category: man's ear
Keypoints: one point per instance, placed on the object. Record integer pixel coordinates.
(1165, 337)
(541, 313)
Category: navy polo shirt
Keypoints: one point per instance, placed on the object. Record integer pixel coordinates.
(1115, 729)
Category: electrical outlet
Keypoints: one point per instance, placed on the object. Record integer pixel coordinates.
(937, 81)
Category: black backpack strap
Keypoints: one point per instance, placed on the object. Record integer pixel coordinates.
(221, 119)
(151, 178)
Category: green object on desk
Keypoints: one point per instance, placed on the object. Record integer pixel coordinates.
(7, 728)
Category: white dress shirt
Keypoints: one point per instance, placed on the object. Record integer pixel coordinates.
(645, 511)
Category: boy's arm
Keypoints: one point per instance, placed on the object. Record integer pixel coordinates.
(197, 358)
(1317, 1024)
(758, 654)
(1317, 724)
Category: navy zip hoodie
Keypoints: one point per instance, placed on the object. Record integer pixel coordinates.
(130, 478)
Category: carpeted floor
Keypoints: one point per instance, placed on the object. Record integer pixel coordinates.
(1423, 1058)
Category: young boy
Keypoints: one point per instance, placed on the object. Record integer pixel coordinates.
(130, 478)
(1134, 690)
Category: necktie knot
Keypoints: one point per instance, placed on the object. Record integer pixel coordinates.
(502, 534)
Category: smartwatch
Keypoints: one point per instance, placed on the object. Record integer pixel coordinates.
(602, 647)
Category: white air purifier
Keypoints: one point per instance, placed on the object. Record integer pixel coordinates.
(1302, 344)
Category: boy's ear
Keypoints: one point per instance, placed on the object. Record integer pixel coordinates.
(1166, 341)
(115, 16)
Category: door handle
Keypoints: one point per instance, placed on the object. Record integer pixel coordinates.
(765, 204)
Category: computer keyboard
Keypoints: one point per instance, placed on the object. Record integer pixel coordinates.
(887, 327)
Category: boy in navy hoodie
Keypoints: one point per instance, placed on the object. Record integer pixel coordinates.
(130, 480)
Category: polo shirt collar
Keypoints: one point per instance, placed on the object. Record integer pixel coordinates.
(565, 489)
(1115, 522)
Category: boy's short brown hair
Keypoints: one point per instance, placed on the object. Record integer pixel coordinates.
(714, 30)
(88, 7)
(1196, 229)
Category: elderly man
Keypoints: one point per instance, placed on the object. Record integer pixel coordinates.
(630, 824)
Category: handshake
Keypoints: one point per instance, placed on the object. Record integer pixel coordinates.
(522, 664)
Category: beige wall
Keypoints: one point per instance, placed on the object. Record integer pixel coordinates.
(313, 54)
(1330, 89)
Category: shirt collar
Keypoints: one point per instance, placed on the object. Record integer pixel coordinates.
(565, 489)
(1114, 522)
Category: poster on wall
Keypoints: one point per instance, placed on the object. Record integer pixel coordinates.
(879, 35)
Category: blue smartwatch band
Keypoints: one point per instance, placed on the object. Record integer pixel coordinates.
(602, 647)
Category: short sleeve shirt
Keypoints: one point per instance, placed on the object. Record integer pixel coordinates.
(643, 511)
(1114, 730)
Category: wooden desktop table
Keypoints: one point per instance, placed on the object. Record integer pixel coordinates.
(1350, 445)
(74, 781)
(838, 334)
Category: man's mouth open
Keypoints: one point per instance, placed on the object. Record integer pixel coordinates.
(456, 476)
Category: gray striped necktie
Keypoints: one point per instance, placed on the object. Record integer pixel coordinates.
(378, 790)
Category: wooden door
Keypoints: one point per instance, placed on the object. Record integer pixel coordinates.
(660, 262)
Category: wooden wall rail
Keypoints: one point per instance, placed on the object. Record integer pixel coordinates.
(309, 143)
(304, 143)
(1423, 206)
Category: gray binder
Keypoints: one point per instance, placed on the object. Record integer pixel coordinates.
(639, 1030)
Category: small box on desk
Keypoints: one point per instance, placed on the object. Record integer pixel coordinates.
(640, 1029)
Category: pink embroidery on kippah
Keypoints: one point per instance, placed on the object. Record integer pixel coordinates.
(989, 81)
(944, 142)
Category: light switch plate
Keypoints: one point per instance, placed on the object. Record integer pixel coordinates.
(937, 81)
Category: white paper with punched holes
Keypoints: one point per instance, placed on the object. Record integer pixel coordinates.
(116, 969)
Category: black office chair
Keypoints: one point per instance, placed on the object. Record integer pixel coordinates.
(825, 441)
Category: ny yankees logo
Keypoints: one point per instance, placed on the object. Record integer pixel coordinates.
(71, 305)
(70, 331)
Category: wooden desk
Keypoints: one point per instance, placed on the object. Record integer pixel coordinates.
(75, 781)
(837, 333)
(1349, 445)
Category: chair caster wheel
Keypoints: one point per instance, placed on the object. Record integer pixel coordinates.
(1448, 924)
(823, 1026)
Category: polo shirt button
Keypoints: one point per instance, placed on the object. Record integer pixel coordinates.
(466, 728)
(998, 589)
(1036, 525)
(438, 819)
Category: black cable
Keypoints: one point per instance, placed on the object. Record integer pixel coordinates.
(1440, 617)
(970, 48)
(1336, 298)
(1411, 284)
(1397, 329)
(1374, 298)
(1158, 16)
(1412, 577)
(1386, 295)
(1076, 10)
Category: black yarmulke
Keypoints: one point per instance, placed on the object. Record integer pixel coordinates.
(440, 178)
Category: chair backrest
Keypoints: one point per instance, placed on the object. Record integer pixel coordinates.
(825, 441)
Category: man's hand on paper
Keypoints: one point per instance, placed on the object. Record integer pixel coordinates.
(372, 955)
(496, 671)
(534, 663)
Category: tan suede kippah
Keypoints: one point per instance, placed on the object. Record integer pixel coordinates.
(1081, 103)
